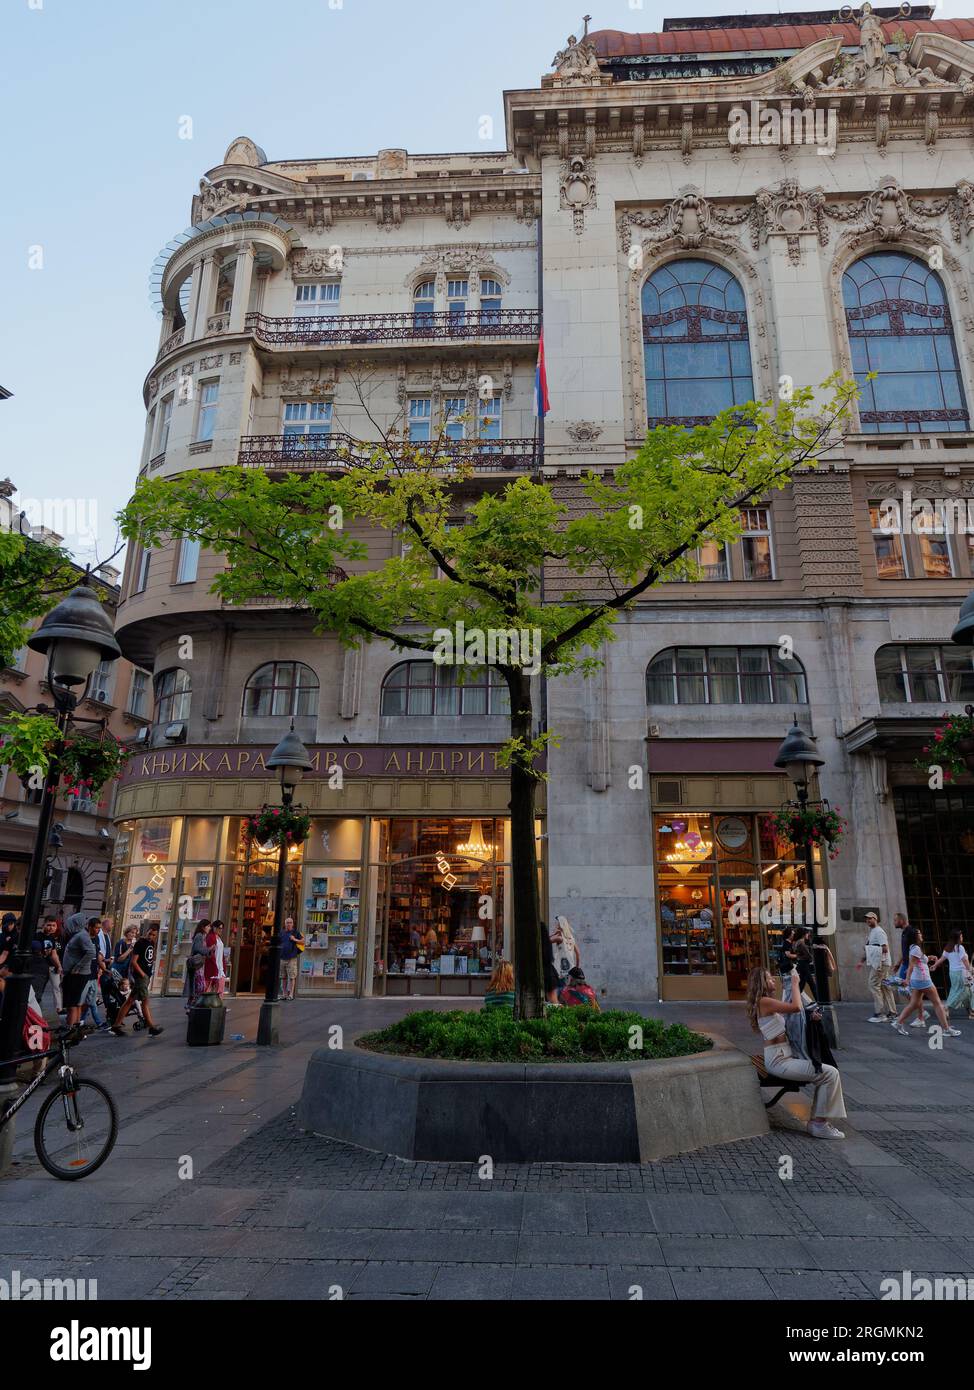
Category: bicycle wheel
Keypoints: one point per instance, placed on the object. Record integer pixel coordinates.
(76, 1131)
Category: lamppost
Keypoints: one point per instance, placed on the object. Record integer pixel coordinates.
(800, 759)
(75, 636)
(293, 761)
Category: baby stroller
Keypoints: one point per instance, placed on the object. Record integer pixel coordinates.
(111, 993)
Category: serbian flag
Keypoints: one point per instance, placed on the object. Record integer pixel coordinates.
(541, 402)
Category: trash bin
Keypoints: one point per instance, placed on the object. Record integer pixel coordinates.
(206, 1022)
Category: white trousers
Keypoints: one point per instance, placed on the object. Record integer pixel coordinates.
(827, 1099)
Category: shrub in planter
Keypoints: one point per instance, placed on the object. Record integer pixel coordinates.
(810, 825)
(563, 1035)
(951, 747)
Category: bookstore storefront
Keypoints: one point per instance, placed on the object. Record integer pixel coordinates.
(400, 898)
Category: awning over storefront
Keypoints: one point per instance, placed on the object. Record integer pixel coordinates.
(906, 735)
(688, 755)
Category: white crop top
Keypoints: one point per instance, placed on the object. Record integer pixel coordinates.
(771, 1025)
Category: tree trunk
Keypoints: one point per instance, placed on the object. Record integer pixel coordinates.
(528, 977)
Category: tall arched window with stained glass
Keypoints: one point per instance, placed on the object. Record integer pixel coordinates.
(697, 355)
(899, 327)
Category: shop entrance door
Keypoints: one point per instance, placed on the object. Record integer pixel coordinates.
(254, 900)
(742, 936)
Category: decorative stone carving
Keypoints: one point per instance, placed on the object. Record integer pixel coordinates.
(308, 381)
(401, 382)
(325, 261)
(214, 199)
(583, 432)
(577, 191)
(887, 212)
(466, 258)
(960, 210)
(244, 151)
(688, 220)
(789, 211)
(209, 363)
(392, 164)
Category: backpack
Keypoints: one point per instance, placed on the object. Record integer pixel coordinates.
(37, 1032)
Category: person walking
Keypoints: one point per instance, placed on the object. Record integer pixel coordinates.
(140, 974)
(292, 944)
(80, 957)
(877, 958)
(212, 965)
(767, 1014)
(908, 937)
(958, 963)
(54, 933)
(922, 987)
(43, 957)
(564, 950)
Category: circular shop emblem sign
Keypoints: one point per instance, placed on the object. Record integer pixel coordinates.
(733, 833)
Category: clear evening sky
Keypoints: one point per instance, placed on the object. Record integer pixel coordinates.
(97, 179)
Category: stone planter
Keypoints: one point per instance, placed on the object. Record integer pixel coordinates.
(582, 1112)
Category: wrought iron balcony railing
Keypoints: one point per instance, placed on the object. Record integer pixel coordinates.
(299, 452)
(343, 329)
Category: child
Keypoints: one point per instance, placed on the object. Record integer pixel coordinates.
(576, 992)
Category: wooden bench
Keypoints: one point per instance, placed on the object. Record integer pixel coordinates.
(781, 1085)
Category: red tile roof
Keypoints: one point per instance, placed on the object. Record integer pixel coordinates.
(613, 43)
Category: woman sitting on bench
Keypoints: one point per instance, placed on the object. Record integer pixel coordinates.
(767, 1015)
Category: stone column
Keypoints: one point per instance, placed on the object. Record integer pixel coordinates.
(204, 303)
(194, 299)
(242, 279)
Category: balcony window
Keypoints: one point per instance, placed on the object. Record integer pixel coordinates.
(316, 300)
(921, 673)
(188, 563)
(489, 418)
(174, 694)
(454, 417)
(424, 302)
(420, 419)
(725, 676)
(490, 301)
(756, 550)
(281, 689)
(206, 421)
(139, 694)
(936, 560)
(306, 422)
(456, 298)
(422, 688)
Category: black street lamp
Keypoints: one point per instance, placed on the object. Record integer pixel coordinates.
(75, 636)
(800, 759)
(292, 760)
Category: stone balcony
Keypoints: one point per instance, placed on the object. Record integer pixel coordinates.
(300, 453)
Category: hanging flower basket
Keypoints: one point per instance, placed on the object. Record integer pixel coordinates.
(810, 825)
(952, 747)
(279, 825)
(88, 762)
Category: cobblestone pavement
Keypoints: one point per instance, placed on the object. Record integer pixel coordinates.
(273, 1213)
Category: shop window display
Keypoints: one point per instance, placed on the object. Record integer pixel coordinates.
(724, 882)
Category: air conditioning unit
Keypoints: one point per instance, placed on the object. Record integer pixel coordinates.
(143, 735)
(176, 732)
(101, 696)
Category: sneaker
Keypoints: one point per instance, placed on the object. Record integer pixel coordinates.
(821, 1129)
(154, 1032)
(918, 1023)
(898, 1028)
(952, 1032)
(119, 1031)
(877, 1018)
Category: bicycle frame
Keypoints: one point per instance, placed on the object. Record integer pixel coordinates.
(64, 1067)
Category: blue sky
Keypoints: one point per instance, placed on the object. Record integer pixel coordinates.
(98, 178)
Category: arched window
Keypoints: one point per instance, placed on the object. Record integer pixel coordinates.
(917, 672)
(174, 694)
(490, 300)
(725, 676)
(697, 357)
(287, 689)
(899, 327)
(424, 300)
(422, 687)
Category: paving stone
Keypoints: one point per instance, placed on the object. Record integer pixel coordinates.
(559, 1282)
(720, 1284)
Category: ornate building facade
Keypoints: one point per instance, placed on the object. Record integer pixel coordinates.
(705, 216)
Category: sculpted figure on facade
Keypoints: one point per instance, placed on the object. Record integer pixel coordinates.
(789, 210)
(577, 190)
(576, 65)
(875, 68)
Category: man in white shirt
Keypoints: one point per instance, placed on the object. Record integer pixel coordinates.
(877, 958)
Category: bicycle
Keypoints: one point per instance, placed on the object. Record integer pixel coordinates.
(69, 1145)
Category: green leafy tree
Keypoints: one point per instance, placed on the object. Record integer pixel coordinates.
(290, 537)
(33, 577)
